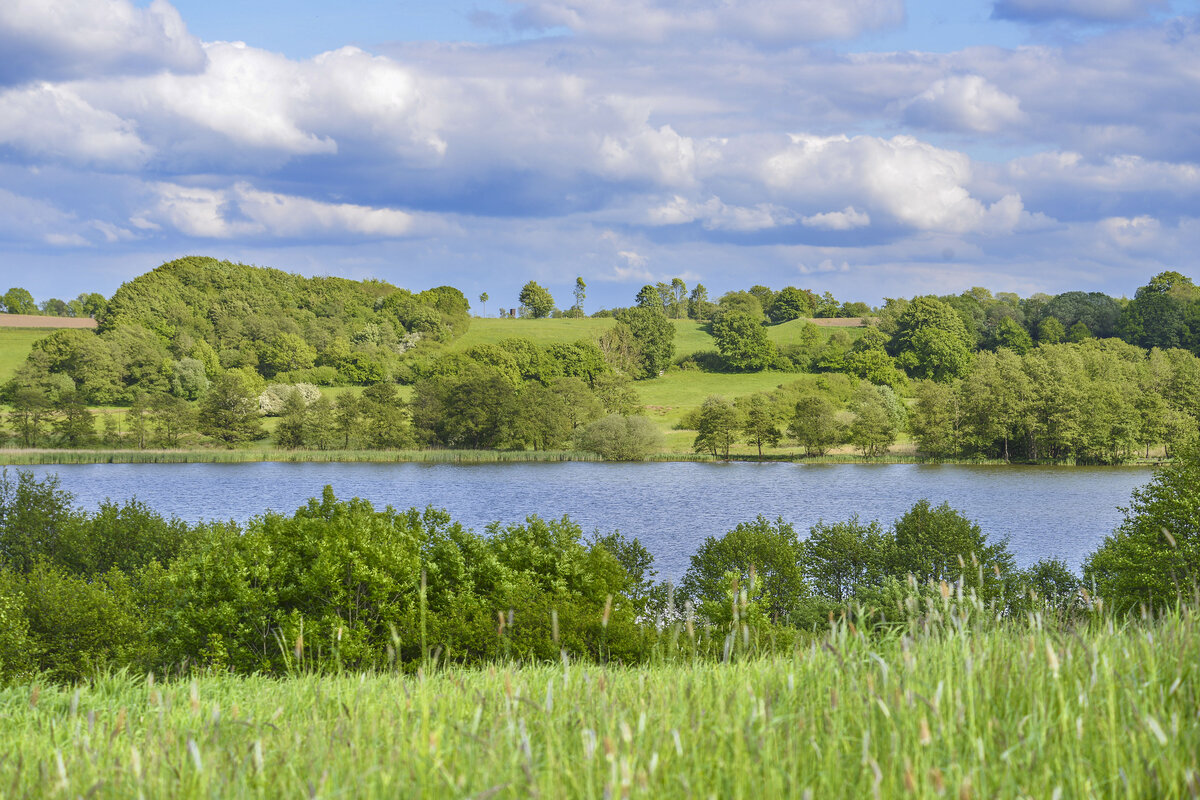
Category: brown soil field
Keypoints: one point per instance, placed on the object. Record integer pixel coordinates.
(36, 321)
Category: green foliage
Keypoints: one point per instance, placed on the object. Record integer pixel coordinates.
(940, 544)
(876, 419)
(931, 340)
(620, 437)
(761, 557)
(229, 411)
(760, 420)
(18, 301)
(792, 303)
(815, 425)
(842, 559)
(536, 301)
(717, 427)
(654, 336)
(742, 341)
(1153, 557)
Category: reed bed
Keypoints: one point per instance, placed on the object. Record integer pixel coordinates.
(30, 457)
(944, 707)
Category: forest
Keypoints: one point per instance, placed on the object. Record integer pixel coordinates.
(202, 353)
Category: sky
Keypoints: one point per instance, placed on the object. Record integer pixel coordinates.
(870, 148)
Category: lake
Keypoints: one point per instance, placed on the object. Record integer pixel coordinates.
(1062, 512)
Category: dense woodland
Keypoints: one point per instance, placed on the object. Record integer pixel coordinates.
(199, 351)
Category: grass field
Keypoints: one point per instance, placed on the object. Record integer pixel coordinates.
(15, 344)
(942, 709)
(488, 330)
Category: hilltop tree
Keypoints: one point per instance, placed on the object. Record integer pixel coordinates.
(19, 301)
(743, 341)
(580, 294)
(536, 301)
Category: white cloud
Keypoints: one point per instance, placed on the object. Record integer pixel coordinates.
(1136, 233)
(1077, 10)
(53, 123)
(917, 184)
(662, 155)
(768, 21)
(965, 103)
(847, 219)
(53, 39)
(713, 214)
(245, 211)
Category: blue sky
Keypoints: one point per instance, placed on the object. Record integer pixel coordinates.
(871, 148)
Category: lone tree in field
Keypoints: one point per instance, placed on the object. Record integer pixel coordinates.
(483, 298)
(580, 293)
(536, 301)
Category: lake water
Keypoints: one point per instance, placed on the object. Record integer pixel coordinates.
(1062, 512)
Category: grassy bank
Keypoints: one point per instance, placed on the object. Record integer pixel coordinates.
(944, 708)
(20, 458)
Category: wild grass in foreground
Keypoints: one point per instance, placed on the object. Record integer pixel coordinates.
(944, 707)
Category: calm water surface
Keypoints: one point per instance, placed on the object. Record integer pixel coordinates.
(1046, 511)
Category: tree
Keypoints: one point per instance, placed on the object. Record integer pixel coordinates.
(581, 404)
(717, 428)
(290, 432)
(874, 428)
(868, 359)
(654, 335)
(1153, 557)
(649, 297)
(995, 399)
(74, 423)
(931, 340)
(699, 307)
(347, 417)
(320, 425)
(229, 411)
(483, 298)
(385, 420)
(936, 419)
(761, 557)
(171, 417)
(940, 544)
(743, 341)
(1012, 335)
(843, 558)
(30, 409)
(760, 421)
(580, 293)
(815, 426)
(19, 301)
(1050, 331)
(536, 301)
(620, 438)
(792, 303)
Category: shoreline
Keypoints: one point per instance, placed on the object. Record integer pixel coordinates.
(49, 457)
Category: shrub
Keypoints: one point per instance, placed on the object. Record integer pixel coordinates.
(274, 398)
(620, 438)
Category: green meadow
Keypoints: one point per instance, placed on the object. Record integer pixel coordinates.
(15, 344)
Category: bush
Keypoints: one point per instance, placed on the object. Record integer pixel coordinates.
(620, 438)
(273, 400)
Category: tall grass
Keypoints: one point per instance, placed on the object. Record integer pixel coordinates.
(948, 705)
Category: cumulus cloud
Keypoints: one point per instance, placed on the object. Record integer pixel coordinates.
(847, 219)
(917, 184)
(56, 39)
(776, 22)
(245, 211)
(714, 215)
(964, 103)
(1076, 10)
(52, 122)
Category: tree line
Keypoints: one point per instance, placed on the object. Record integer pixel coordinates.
(19, 301)
(341, 585)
